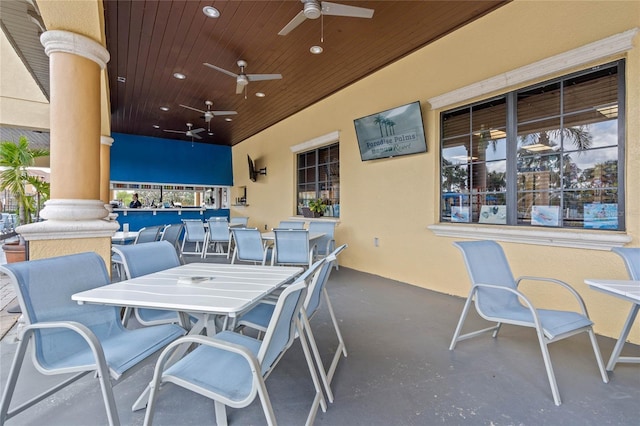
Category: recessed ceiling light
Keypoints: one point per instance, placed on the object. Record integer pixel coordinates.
(179, 75)
(228, 119)
(122, 79)
(316, 50)
(260, 95)
(211, 12)
(164, 108)
(155, 126)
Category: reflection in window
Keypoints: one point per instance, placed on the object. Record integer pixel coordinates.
(319, 178)
(546, 155)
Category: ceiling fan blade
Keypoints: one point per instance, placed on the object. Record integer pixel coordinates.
(297, 20)
(193, 135)
(222, 70)
(336, 9)
(192, 108)
(239, 88)
(224, 112)
(198, 130)
(174, 131)
(258, 77)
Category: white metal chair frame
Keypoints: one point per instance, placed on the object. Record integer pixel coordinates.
(217, 234)
(316, 293)
(535, 320)
(193, 233)
(103, 348)
(256, 354)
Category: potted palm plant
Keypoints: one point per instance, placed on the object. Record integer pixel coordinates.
(14, 177)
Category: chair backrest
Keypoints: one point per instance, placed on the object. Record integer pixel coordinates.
(326, 228)
(244, 221)
(291, 224)
(148, 234)
(44, 288)
(281, 331)
(314, 292)
(143, 259)
(249, 244)
(218, 229)
(291, 246)
(631, 258)
(172, 233)
(194, 230)
(487, 264)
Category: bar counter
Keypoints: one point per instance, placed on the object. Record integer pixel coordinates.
(139, 218)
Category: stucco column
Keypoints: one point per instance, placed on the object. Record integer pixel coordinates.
(75, 210)
(105, 166)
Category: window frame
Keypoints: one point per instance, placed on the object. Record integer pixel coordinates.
(511, 122)
(315, 150)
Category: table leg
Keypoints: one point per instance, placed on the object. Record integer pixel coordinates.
(615, 355)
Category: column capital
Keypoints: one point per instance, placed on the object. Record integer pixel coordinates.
(68, 42)
(106, 140)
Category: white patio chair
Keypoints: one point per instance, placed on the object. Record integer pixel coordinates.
(231, 368)
(258, 318)
(143, 259)
(498, 299)
(172, 233)
(292, 248)
(325, 244)
(217, 236)
(249, 246)
(194, 233)
(66, 337)
(631, 257)
(291, 224)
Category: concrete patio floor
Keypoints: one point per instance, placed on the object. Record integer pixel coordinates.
(399, 371)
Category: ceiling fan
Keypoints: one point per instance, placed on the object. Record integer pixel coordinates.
(313, 9)
(192, 133)
(209, 114)
(242, 79)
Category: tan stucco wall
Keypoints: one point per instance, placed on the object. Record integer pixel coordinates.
(41, 249)
(395, 200)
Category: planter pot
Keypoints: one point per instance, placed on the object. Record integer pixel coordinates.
(15, 252)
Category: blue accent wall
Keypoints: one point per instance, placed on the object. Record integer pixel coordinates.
(146, 159)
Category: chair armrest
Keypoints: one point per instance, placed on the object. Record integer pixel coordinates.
(207, 341)
(571, 290)
(81, 329)
(520, 295)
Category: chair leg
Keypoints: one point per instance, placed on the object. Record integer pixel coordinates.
(264, 401)
(547, 364)
(463, 316)
(221, 413)
(10, 386)
(319, 398)
(596, 351)
(316, 355)
(107, 396)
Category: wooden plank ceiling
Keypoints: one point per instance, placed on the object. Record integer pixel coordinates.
(151, 40)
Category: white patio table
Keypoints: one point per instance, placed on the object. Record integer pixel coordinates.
(204, 289)
(627, 290)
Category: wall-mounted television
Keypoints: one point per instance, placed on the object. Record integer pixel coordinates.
(391, 133)
(253, 174)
